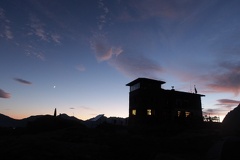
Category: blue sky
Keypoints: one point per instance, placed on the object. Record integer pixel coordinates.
(77, 56)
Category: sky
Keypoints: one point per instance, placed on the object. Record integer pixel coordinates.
(78, 55)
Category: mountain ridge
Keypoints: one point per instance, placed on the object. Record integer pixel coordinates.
(6, 121)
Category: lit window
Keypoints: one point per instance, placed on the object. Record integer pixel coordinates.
(187, 114)
(178, 113)
(149, 112)
(134, 112)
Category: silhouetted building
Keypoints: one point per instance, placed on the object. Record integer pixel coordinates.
(149, 103)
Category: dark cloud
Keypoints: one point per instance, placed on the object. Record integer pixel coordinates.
(224, 105)
(137, 66)
(22, 81)
(173, 9)
(226, 78)
(215, 111)
(71, 108)
(228, 103)
(4, 94)
(210, 111)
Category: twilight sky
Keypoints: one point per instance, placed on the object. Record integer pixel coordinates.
(78, 55)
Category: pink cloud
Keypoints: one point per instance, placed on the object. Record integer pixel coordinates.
(102, 49)
(4, 94)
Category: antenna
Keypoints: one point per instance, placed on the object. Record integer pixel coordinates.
(191, 88)
(195, 89)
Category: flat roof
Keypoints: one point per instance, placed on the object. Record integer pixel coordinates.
(144, 80)
(182, 92)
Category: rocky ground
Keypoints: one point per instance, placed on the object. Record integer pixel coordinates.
(109, 142)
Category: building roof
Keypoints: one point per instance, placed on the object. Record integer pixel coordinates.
(144, 80)
(140, 80)
(182, 92)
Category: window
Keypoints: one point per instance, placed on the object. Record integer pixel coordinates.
(134, 112)
(187, 114)
(149, 112)
(134, 87)
(178, 113)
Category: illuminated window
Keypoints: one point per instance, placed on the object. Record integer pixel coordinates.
(134, 112)
(149, 112)
(187, 114)
(178, 113)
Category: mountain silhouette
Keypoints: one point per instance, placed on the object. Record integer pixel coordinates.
(6, 121)
(65, 116)
(231, 122)
(49, 122)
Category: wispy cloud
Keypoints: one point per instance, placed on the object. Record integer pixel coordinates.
(4, 94)
(129, 63)
(31, 50)
(80, 68)
(86, 108)
(5, 25)
(8, 32)
(56, 38)
(22, 81)
(39, 29)
(102, 19)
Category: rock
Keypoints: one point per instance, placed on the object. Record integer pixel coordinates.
(231, 122)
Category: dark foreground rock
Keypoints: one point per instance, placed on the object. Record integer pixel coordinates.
(231, 122)
(109, 142)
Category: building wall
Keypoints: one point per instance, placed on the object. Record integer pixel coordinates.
(154, 105)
